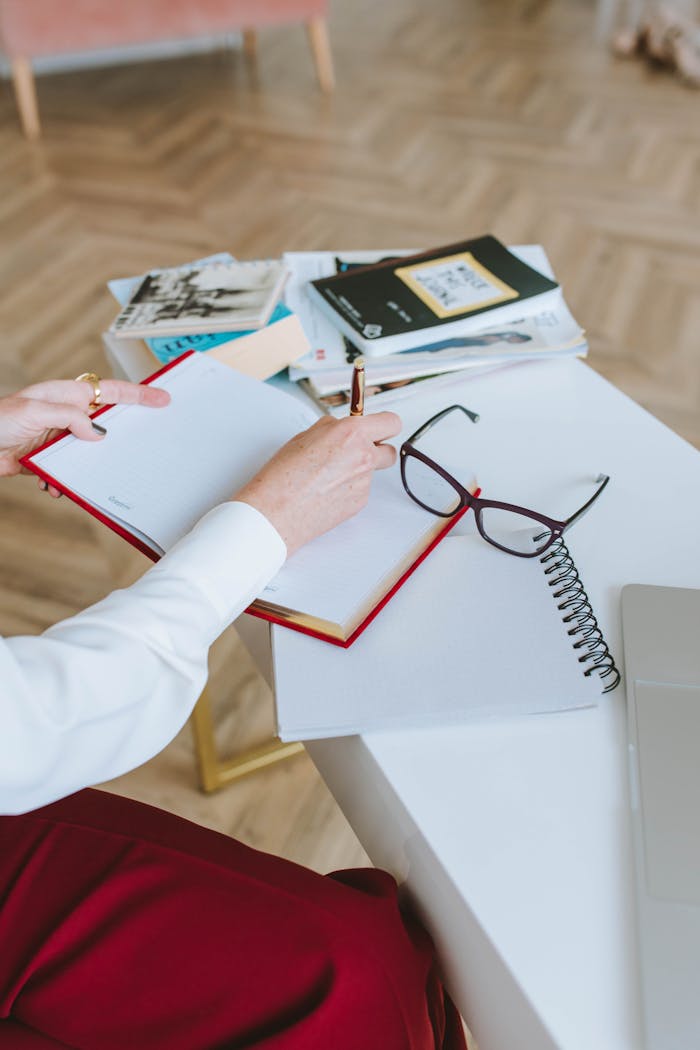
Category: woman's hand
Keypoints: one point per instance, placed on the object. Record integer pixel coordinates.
(29, 418)
(322, 476)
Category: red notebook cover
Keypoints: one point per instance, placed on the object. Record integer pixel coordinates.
(120, 530)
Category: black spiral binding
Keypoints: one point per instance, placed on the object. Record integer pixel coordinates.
(573, 602)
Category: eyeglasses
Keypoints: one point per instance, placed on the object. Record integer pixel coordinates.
(513, 529)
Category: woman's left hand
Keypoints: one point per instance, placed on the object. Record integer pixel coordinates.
(29, 418)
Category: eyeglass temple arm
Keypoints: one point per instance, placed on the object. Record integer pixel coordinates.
(602, 481)
(474, 416)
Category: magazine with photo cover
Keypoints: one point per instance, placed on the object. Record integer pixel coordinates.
(214, 297)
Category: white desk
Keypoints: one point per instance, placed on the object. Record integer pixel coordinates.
(513, 837)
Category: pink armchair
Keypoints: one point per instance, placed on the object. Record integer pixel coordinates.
(33, 28)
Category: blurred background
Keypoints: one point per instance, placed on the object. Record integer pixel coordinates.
(354, 125)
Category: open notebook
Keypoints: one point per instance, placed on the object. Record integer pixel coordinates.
(475, 633)
(159, 470)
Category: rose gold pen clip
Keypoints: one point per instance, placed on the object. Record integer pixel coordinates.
(357, 394)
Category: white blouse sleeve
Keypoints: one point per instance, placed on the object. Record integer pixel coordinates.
(98, 694)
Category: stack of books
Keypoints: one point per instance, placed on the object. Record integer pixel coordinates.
(431, 316)
(471, 306)
(229, 308)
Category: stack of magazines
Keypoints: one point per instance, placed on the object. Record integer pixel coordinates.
(230, 308)
(414, 317)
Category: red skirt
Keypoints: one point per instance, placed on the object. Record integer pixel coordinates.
(122, 927)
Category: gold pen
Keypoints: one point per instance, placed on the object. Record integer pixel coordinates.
(357, 393)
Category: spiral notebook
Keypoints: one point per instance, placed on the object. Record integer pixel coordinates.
(474, 634)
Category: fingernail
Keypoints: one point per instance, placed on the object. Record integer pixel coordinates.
(98, 428)
(44, 486)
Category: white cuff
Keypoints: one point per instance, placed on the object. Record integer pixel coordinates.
(230, 555)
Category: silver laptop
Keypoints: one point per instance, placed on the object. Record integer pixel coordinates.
(661, 631)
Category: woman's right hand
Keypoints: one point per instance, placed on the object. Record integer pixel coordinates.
(322, 476)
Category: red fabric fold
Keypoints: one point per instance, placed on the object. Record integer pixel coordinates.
(122, 925)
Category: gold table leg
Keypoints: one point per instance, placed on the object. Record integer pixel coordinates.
(214, 774)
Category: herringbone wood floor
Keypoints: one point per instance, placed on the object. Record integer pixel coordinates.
(450, 119)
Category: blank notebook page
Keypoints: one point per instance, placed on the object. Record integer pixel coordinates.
(160, 469)
(344, 571)
(473, 633)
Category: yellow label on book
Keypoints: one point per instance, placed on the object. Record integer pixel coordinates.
(455, 284)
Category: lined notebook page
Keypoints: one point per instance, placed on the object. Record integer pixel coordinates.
(473, 633)
(159, 470)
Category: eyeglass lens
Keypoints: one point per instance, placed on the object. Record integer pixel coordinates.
(446, 442)
(514, 532)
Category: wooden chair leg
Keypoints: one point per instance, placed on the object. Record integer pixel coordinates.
(25, 95)
(214, 774)
(321, 51)
(250, 43)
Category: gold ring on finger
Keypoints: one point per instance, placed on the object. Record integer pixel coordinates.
(94, 381)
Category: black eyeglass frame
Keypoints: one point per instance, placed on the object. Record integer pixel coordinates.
(556, 527)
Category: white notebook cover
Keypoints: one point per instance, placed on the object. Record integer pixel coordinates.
(475, 633)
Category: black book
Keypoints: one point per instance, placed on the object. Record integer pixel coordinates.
(416, 300)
